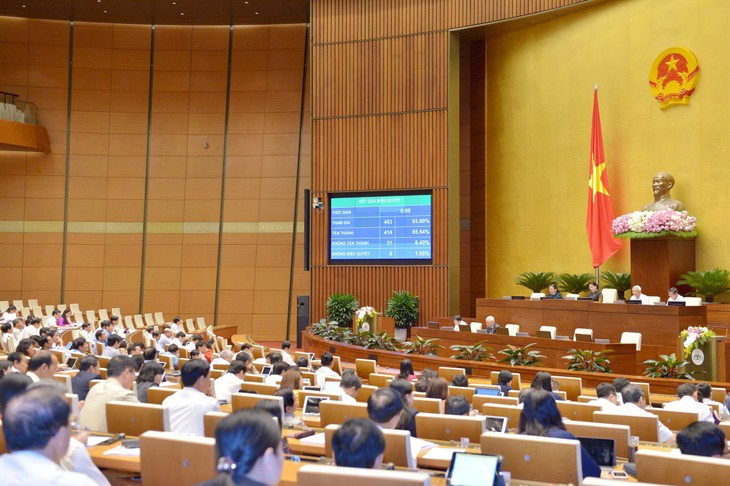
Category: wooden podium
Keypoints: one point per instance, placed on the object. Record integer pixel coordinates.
(657, 263)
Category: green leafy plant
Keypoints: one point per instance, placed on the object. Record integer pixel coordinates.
(326, 330)
(619, 281)
(588, 360)
(521, 356)
(403, 307)
(341, 308)
(574, 283)
(536, 282)
(473, 352)
(668, 367)
(707, 284)
(382, 341)
(427, 347)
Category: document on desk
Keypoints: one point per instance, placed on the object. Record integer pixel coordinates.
(316, 439)
(122, 451)
(418, 445)
(93, 440)
(441, 453)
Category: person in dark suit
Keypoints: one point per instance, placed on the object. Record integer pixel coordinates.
(553, 292)
(88, 370)
(594, 293)
(490, 325)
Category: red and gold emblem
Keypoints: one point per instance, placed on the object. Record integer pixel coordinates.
(672, 77)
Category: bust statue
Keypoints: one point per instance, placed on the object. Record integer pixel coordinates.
(661, 185)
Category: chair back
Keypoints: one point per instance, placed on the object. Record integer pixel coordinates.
(448, 373)
(571, 385)
(128, 323)
(73, 401)
(363, 368)
(537, 295)
(249, 400)
(334, 412)
(646, 389)
(210, 421)
(429, 405)
(166, 361)
(693, 301)
(258, 351)
(620, 434)
(675, 420)
(645, 427)
(609, 296)
(255, 378)
(175, 459)
(103, 361)
(572, 296)
(364, 393)
(577, 410)
(478, 400)
(65, 380)
(136, 418)
(160, 319)
(316, 475)
(680, 470)
(534, 458)
(436, 426)
(551, 329)
(631, 338)
(380, 380)
(516, 382)
(156, 394)
(464, 391)
(582, 331)
(397, 446)
(512, 329)
(260, 388)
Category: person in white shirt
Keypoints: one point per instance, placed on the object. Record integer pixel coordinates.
(635, 403)
(687, 393)
(349, 386)
(674, 295)
(188, 406)
(224, 358)
(38, 433)
(457, 321)
(704, 395)
(607, 398)
(637, 295)
(277, 372)
(52, 320)
(42, 366)
(230, 382)
(18, 326)
(285, 356)
(112, 346)
(176, 326)
(166, 338)
(32, 329)
(84, 332)
(326, 369)
(20, 363)
(10, 314)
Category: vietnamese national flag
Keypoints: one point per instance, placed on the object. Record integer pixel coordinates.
(600, 213)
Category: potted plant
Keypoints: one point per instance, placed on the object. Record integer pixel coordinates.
(474, 352)
(668, 367)
(426, 347)
(341, 308)
(619, 281)
(520, 356)
(403, 307)
(574, 283)
(382, 341)
(707, 284)
(588, 360)
(536, 282)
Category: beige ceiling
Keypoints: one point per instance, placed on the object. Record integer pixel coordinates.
(163, 12)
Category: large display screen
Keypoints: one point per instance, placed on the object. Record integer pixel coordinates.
(380, 228)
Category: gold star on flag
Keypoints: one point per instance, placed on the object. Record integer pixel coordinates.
(671, 64)
(595, 182)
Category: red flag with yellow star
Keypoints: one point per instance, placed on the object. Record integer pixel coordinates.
(600, 212)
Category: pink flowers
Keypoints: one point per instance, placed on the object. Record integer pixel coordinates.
(656, 223)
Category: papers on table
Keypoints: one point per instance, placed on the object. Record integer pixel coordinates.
(418, 445)
(316, 439)
(441, 453)
(122, 451)
(93, 440)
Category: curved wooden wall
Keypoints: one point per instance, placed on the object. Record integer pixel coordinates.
(379, 121)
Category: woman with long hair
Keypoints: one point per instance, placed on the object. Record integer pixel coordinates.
(543, 381)
(149, 376)
(541, 417)
(65, 319)
(426, 376)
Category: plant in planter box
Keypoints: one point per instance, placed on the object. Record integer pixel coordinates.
(382, 341)
(521, 356)
(588, 360)
(574, 283)
(535, 281)
(341, 308)
(427, 347)
(403, 307)
(707, 284)
(668, 367)
(473, 352)
(619, 281)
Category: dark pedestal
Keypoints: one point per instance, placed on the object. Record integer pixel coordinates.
(657, 263)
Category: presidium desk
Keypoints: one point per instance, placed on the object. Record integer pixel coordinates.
(659, 325)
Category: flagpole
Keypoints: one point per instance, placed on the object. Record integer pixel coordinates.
(597, 272)
(595, 88)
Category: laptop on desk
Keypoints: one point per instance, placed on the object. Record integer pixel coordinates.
(633, 302)
(603, 451)
(464, 328)
(502, 330)
(676, 303)
(311, 405)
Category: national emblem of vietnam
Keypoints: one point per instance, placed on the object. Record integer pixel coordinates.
(672, 77)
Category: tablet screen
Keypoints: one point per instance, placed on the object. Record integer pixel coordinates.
(473, 469)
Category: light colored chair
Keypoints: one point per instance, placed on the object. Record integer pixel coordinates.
(316, 475)
(645, 427)
(584, 331)
(186, 459)
(512, 412)
(138, 321)
(551, 329)
(478, 400)
(571, 385)
(104, 315)
(693, 301)
(577, 410)
(652, 299)
(680, 470)
(380, 380)
(434, 426)
(260, 388)
(32, 303)
(675, 420)
(475, 326)
(645, 388)
(336, 412)
(156, 394)
(448, 373)
(136, 418)
(249, 400)
(129, 323)
(534, 458)
(537, 295)
(513, 329)
(572, 296)
(363, 394)
(608, 296)
(159, 319)
(75, 308)
(364, 367)
(428, 405)
(116, 311)
(631, 338)
(303, 394)
(465, 391)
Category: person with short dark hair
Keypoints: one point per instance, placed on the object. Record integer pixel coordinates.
(230, 382)
(384, 407)
(406, 370)
(37, 432)
(113, 344)
(553, 292)
(457, 405)
(52, 320)
(28, 347)
(635, 403)
(10, 386)
(349, 387)
(688, 402)
(302, 362)
(325, 370)
(290, 407)
(42, 366)
(20, 362)
(674, 295)
(84, 331)
(277, 372)
(150, 376)
(504, 380)
(702, 439)
(188, 406)
(358, 443)
(176, 325)
(460, 380)
(117, 386)
(88, 370)
(285, 347)
(80, 346)
(150, 353)
(704, 395)
(135, 349)
(607, 398)
(540, 416)
(593, 292)
(619, 384)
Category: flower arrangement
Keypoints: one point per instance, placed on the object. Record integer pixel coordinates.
(653, 224)
(694, 337)
(363, 317)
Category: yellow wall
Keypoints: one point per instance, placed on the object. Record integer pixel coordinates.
(539, 99)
